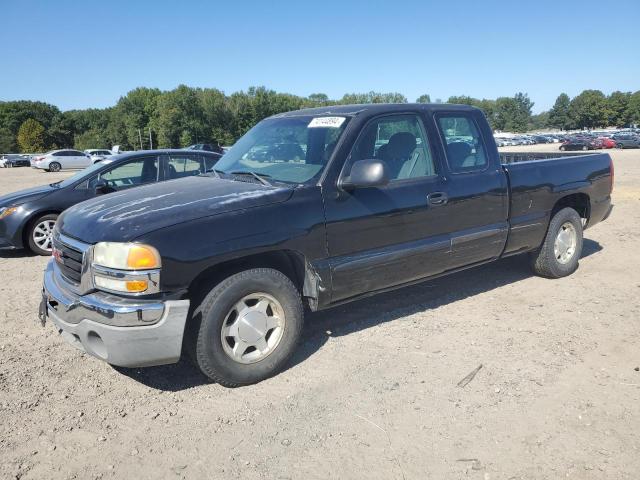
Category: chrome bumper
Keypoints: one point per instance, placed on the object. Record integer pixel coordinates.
(121, 331)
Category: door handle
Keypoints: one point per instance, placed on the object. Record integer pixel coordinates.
(436, 199)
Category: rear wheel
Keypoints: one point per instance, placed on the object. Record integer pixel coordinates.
(41, 234)
(55, 167)
(249, 326)
(563, 148)
(559, 254)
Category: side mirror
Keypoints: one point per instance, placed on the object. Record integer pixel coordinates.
(366, 174)
(102, 187)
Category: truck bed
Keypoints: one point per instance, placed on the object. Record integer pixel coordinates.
(539, 180)
(515, 157)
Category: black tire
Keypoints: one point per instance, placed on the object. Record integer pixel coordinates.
(620, 146)
(563, 148)
(544, 261)
(33, 246)
(210, 315)
(55, 167)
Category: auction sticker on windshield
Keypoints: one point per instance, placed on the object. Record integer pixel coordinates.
(326, 122)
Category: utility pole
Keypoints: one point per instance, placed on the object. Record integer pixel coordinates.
(150, 140)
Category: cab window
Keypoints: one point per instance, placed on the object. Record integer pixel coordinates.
(463, 144)
(400, 142)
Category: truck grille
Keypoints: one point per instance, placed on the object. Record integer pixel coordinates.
(69, 261)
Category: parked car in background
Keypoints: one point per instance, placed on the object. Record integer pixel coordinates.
(66, 159)
(578, 144)
(627, 141)
(98, 154)
(605, 142)
(207, 147)
(14, 160)
(27, 217)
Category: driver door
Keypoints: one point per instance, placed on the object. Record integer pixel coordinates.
(385, 236)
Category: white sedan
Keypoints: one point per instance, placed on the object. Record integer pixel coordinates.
(98, 154)
(56, 160)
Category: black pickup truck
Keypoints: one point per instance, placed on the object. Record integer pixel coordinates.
(310, 208)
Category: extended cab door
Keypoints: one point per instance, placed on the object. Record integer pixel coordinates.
(385, 236)
(475, 185)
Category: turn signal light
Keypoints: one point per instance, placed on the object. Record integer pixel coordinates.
(137, 286)
(141, 257)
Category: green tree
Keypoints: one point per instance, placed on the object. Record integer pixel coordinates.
(589, 109)
(31, 136)
(560, 113)
(633, 108)
(425, 98)
(618, 107)
(7, 141)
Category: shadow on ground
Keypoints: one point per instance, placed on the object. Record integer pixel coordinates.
(367, 313)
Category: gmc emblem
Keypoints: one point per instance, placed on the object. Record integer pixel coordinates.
(57, 254)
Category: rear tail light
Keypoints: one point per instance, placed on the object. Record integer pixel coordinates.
(612, 173)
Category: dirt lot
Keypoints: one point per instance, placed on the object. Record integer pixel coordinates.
(372, 392)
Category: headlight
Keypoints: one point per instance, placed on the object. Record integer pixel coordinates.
(126, 267)
(126, 256)
(6, 211)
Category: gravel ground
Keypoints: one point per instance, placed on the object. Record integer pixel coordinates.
(372, 392)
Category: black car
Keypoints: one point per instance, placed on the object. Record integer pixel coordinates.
(222, 266)
(27, 217)
(578, 144)
(14, 160)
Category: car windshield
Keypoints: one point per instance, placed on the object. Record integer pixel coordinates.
(80, 175)
(285, 149)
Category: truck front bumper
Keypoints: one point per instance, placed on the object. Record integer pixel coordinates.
(121, 331)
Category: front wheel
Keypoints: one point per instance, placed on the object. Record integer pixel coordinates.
(559, 254)
(563, 148)
(41, 233)
(249, 327)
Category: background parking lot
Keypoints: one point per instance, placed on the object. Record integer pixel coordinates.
(372, 392)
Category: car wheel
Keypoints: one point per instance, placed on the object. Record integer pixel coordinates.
(41, 234)
(248, 327)
(563, 148)
(55, 167)
(619, 145)
(559, 254)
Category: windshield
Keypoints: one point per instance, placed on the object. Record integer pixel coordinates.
(286, 149)
(81, 174)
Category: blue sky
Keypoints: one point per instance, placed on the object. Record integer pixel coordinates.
(79, 54)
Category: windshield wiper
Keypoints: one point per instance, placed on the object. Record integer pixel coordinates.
(257, 176)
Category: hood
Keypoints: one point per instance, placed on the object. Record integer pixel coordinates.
(23, 196)
(124, 216)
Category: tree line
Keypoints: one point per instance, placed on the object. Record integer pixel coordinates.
(147, 117)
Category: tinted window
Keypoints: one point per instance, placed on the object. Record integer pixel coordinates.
(463, 143)
(400, 142)
(130, 174)
(184, 166)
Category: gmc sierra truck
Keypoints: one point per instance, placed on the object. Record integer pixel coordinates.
(311, 208)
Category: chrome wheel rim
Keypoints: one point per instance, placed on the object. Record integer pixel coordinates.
(564, 247)
(253, 328)
(43, 233)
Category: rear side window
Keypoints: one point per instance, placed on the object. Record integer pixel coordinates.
(184, 166)
(463, 143)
